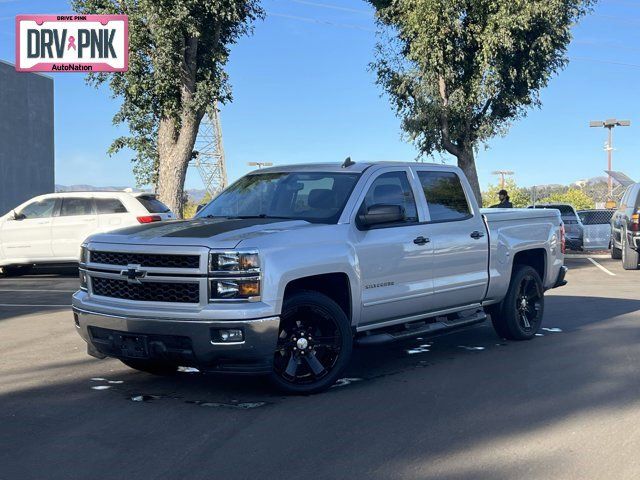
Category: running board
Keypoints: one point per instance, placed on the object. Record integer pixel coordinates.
(440, 326)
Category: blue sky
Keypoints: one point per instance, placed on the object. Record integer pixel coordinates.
(303, 93)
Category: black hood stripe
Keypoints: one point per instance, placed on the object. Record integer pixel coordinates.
(214, 227)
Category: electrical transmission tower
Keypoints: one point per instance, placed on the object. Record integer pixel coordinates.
(209, 159)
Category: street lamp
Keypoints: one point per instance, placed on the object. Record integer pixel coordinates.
(260, 164)
(610, 124)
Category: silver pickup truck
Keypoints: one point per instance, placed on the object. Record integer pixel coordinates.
(291, 266)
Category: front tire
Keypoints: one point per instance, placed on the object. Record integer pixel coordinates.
(519, 316)
(314, 347)
(629, 255)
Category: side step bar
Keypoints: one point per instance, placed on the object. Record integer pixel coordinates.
(438, 327)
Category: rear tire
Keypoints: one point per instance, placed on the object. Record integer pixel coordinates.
(16, 270)
(519, 316)
(616, 253)
(314, 347)
(629, 255)
(150, 366)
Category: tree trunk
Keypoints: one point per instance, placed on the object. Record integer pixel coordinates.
(175, 148)
(466, 161)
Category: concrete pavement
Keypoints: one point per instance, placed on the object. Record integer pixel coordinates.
(466, 405)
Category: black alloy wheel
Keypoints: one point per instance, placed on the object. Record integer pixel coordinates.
(519, 315)
(529, 304)
(314, 344)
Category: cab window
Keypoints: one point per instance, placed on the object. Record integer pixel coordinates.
(40, 209)
(76, 206)
(445, 196)
(392, 188)
(106, 206)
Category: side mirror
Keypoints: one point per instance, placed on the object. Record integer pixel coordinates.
(381, 214)
(200, 207)
(16, 216)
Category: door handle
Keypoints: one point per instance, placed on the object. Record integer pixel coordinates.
(476, 235)
(421, 240)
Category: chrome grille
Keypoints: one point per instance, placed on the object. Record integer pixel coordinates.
(187, 292)
(145, 259)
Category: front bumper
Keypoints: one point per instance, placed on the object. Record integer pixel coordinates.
(184, 342)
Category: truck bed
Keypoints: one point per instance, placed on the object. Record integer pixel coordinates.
(512, 230)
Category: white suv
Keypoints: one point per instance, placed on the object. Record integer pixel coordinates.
(50, 228)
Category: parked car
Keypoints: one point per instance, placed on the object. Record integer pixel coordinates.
(50, 228)
(286, 268)
(596, 228)
(574, 230)
(625, 229)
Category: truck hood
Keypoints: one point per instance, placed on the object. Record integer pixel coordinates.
(203, 232)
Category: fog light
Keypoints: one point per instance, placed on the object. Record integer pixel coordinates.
(227, 335)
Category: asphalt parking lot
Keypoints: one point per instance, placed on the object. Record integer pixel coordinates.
(466, 405)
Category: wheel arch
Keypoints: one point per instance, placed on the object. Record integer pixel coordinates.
(535, 258)
(335, 285)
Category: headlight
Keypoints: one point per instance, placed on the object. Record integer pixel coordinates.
(234, 262)
(234, 289)
(235, 275)
(84, 254)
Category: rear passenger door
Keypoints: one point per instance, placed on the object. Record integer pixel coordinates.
(112, 214)
(75, 221)
(459, 237)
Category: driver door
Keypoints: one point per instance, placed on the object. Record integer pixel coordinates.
(394, 259)
(28, 237)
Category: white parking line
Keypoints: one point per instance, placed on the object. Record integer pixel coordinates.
(33, 305)
(608, 272)
(35, 290)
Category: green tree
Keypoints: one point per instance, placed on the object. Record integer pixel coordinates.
(178, 50)
(520, 197)
(574, 196)
(459, 71)
(191, 207)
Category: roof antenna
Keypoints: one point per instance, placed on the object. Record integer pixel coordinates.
(348, 162)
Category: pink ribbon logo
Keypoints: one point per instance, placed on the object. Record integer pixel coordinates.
(72, 43)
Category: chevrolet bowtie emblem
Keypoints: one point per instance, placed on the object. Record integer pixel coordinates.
(133, 274)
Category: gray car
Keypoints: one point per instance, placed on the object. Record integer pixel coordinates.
(574, 230)
(625, 229)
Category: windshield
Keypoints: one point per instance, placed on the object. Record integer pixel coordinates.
(314, 197)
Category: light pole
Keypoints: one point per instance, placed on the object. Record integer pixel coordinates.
(610, 124)
(260, 164)
(502, 174)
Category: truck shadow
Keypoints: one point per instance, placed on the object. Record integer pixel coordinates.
(405, 411)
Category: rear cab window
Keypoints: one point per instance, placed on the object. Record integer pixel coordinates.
(445, 196)
(72, 207)
(106, 206)
(152, 204)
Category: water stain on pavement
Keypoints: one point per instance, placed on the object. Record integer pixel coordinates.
(343, 382)
(233, 405)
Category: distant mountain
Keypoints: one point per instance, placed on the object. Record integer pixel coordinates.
(91, 188)
(195, 195)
